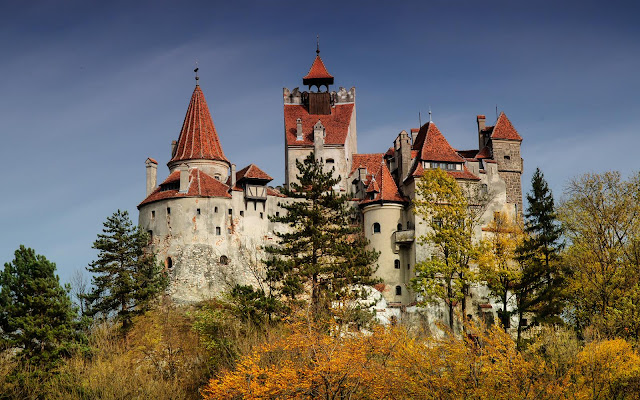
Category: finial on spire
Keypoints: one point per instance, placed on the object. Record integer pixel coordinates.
(318, 44)
(430, 114)
(196, 71)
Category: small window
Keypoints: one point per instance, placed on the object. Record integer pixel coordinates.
(507, 158)
(261, 215)
(224, 260)
(242, 213)
(376, 227)
(398, 290)
(169, 263)
(153, 214)
(330, 161)
(168, 210)
(396, 264)
(215, 210)
(277, 213)
(399, 227)
(198, 211)
(231, 211)
(408, 266)
(218, 231)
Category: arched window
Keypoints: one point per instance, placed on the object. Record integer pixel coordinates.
(398, 290)
(400, 226)
(376, 227)
(224, 260)
(169, 263)
(396, 264)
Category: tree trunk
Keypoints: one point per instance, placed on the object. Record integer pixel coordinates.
(450, 297)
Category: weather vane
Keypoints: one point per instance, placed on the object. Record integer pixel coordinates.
(318, 44)
(196, 71)
(430, 114)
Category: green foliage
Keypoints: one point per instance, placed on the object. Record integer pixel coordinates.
(36, 314)
(600, 217)
(324, 254)
(446, 275)
(126, 277)
(541, 290)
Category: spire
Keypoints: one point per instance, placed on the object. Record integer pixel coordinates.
(318, 74)
(198, 138)
(432, 145)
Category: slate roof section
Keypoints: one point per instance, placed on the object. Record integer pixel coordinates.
(504, 129)
(198, 137)
(317, 71)
(336, 124)
(200, 185)
(432, 145)
(252, 171)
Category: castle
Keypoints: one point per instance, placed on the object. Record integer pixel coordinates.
(208, 220)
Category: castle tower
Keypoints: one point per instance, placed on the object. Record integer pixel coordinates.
(320, 121)
(198, 145)
(505, 144)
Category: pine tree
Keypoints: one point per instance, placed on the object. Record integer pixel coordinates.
(126, 277)
(541, 288)
(323, 256)
(36, 313)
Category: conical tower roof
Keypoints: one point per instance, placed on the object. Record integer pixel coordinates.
(198, 138)
(318, 74)
(432, 145)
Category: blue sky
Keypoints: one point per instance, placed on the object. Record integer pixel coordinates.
(89, 90)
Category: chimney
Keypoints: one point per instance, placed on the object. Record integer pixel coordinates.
(174, 146)
(299, 130)
(481, 125)
(184, 178)
(318, 140)
(233, 175)
(405, 156)
(152, 175)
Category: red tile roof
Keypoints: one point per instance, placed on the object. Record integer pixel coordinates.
(384, 187)
(198, 138)
(152, 160)
(369, 161)
(336, 124)
(274, 192)
(484, 153)
(200, 185)
(251, 171)
(318, 70)
(504, 129)
(433, 146)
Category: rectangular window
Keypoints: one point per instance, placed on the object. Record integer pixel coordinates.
(198, 211)
(277, 213)
(218, 230)
(261, 215)
(153, 214)
(168, 210)
(231, 211)
(242, 213)
(215, 210)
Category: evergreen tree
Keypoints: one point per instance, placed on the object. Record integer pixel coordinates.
(323, 256)
(36, 314)
(541, 288)
(126, 277)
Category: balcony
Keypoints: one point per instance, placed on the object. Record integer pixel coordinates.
(404, 237)
(255, 192)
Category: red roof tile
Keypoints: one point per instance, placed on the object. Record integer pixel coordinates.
(373, 186)
(336, 124)
(200, 185)
(198, 138)
(467, 153)
(152, 160)
(389, 152)
(484, 153)
(369, 161)
(387, 188)
(464, 174)
(433, 146)
(274, 192)
(251, 171)
(504, 129)
(318, 70)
